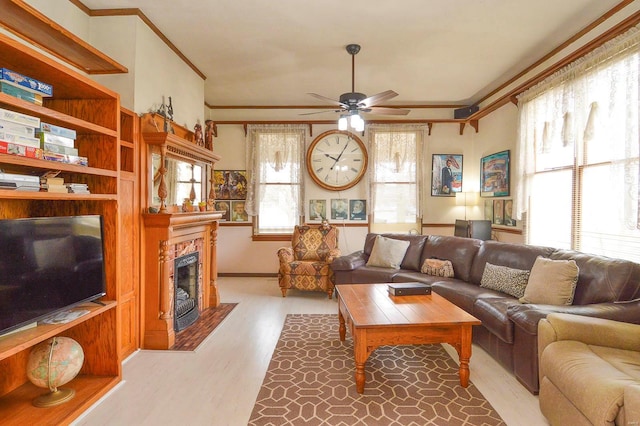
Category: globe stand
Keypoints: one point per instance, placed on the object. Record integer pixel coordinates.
(55, 397)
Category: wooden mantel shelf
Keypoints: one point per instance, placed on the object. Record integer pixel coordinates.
(180, 146)
(31, 25)
(180, 219)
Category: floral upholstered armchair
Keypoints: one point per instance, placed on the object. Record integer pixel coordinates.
(305, 265)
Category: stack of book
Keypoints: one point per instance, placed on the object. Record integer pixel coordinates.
(19, 182)
(17, 134)
(52, 184)
(77, 188)
(23, 87)
(58, 144)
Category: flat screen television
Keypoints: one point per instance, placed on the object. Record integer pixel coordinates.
(47, 265)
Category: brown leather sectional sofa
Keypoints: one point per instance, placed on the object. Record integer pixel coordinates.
(607, 288)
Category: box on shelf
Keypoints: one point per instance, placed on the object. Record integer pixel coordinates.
(19, 182)
(19, 93)
(65, 158)
(21, 150)
(59, 149)
(18, 129)
(16, 117)
(57, 130)
(16, 79)
(19, 139)
(54, 139)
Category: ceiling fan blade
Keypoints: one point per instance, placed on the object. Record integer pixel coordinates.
(376, 99)
(388, 111)
(319, 112)
(324, 98)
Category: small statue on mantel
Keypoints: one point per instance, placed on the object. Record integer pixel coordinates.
(197, 135)
(208, 134)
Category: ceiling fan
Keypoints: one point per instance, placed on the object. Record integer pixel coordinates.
(353, 103)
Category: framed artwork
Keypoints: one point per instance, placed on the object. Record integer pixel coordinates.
(498, 212)
(223, 206)
(230, 184)
(494, 175)
(238, 213)
(339, 208)
(317, 210)
(488, 210)
(446, 175)
(357, 210)
(508, 213)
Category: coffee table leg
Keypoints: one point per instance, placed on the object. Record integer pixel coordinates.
(342, 329)
(464, 354)
(361, 354)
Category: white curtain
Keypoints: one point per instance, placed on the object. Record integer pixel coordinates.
(395, 173)
(275, 163)
(578, 146)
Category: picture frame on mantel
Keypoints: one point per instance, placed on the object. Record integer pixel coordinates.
(446, 175)
(495, 174)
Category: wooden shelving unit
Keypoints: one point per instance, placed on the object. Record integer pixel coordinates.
(94, 112)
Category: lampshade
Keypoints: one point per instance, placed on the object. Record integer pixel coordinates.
(353, 119)
(342, 123)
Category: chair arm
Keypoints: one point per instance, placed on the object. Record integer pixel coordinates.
(333, 254)
(632, 404)
(591, 331)
(349, 262)
(285, 255)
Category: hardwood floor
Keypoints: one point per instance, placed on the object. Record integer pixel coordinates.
(218, 384)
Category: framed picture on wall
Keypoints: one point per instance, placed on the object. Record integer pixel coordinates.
(339, 208)
(488, 210)
(446, 175)
(230, 184)
(498, 212)
(225, 207)
(494, 174)
(317, 210)
(357, 210)
(508, 213)
(238, 212)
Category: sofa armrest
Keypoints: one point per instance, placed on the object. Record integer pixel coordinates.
(349, 262)
(632, 404)
(592, 331)
(527, 316)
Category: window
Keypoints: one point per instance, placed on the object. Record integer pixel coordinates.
(189, 182)
(579, 154)
(275, 155)
(394, 177)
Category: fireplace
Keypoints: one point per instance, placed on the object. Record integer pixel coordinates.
(185, 283)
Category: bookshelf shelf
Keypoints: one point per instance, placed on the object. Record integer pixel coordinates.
(93, 112)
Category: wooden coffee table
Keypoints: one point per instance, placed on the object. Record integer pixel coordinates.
(377, 319)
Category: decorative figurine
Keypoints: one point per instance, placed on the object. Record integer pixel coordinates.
(197, 135)
(208, 134)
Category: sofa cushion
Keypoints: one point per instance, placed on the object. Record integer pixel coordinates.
(411, 259)
(518, 256)
(492, 311)
(462, 294)
(551, 282)
(437, 267)
(460, 251)
(573, 366)
(387, 252)
(504, 279)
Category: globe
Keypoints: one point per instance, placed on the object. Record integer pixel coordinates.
(54, 363)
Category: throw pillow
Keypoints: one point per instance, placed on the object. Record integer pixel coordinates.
(387, 252)
(437, 268)
(504, 279)
(551, 282)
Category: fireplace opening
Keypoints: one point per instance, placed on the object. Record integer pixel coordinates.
(185, 280)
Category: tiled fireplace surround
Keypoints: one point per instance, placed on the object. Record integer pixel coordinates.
(169, 236)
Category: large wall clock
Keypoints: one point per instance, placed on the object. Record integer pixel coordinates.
(337, 160)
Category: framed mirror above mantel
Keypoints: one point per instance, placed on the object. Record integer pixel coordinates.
(177, 167)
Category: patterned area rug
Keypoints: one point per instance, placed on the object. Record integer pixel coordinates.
(190, 338)
(310, 381)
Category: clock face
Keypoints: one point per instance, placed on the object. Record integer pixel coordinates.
(337, 160)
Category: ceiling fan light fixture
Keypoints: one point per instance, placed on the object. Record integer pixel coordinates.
(357, 122)
(342, 123)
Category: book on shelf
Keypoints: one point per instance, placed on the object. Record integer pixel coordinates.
(21, 150)
(20, 93)
(51, 181)
(57, 130)
(54, 188)
(19, 182)
(7, 136)
(18, 118)
(78, 188)
(18, 129)
(24, 82)
(54, 139)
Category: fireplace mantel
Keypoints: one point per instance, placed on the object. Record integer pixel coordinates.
(164, 233)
